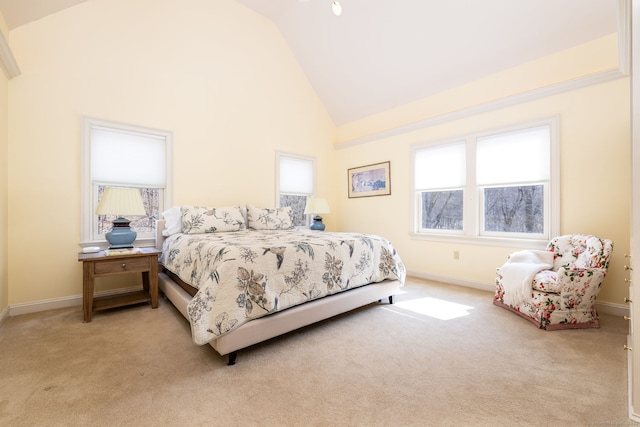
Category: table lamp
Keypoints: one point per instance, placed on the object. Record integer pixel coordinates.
(120, 201)
(316, 206)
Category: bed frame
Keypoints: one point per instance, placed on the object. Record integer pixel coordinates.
(273, 325)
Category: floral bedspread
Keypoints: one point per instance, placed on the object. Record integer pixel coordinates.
(245, 275)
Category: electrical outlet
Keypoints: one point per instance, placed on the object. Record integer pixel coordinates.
(456, 255)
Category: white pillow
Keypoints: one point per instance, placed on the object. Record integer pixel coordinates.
(198, 219)
(269, 219)
(173, 221)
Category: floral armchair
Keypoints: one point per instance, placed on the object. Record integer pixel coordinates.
(563, 295)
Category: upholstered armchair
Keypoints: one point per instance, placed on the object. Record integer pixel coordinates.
(556, 288)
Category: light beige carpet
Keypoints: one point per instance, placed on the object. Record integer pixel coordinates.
(382, 365)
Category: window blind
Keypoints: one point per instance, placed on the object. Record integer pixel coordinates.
(514, 157)
(296, 175)
(440, 167)
(121, 157)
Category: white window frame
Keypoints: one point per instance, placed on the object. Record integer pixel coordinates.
(473, 232)
(89, 196)
(279, 156)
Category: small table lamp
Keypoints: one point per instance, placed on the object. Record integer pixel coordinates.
(121, 201)
(317, 205)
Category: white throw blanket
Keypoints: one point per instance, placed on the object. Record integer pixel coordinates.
(518, 272)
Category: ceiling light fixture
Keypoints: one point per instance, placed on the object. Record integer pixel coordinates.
(337, 8)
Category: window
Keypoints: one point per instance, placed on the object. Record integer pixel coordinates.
(296, 182)
(513, 173)
(495, 185)
(440, 180)
(117, 155)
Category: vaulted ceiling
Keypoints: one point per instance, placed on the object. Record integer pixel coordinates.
(380, 54)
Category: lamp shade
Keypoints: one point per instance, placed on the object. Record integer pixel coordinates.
(120, 201)
(317, 205)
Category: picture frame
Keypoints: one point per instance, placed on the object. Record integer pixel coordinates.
(369, 180)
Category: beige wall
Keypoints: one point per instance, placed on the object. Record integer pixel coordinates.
(217, 75)
(595, 166)
(4, 97)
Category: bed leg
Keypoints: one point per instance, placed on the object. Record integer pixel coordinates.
(232, 358)
(390, 299)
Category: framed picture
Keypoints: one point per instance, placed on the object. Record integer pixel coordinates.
(370, 180)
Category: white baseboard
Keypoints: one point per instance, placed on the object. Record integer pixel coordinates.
(601, 306)
(611, 308)
(489, 287)
(4, 315)
(43, 305)
(55, 303)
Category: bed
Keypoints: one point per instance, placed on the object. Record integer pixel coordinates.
(243, 276)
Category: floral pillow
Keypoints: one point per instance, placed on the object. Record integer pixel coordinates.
(198, 220)
(269, 219)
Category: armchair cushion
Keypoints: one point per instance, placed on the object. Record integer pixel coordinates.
(546, 281)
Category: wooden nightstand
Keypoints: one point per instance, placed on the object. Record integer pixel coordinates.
(99, 264)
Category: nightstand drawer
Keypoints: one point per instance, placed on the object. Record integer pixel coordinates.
(122, 265)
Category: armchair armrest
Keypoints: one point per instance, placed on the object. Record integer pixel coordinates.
(579, 287)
